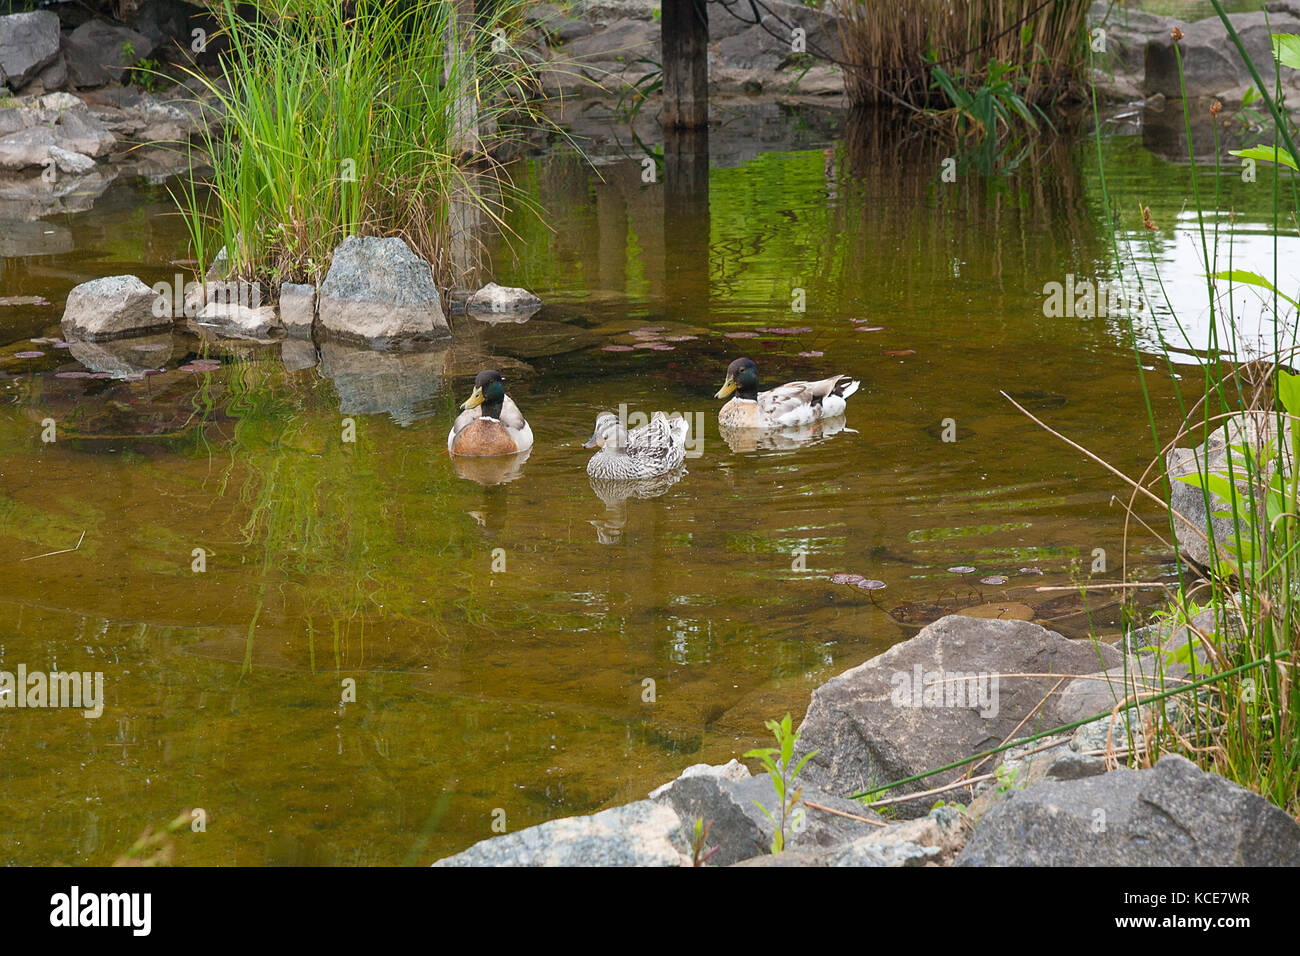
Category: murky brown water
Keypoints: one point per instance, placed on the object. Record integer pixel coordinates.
(372, 560)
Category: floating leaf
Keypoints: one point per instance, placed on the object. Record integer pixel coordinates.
(961, 569)
(811, 354)
(872, 585)
(844, 577)
(27, 355)
(740, 335)
(994, 579)
(618, 348)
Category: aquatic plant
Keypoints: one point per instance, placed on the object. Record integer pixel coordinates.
(776, 761)
(1242, 718)
(889, 53)
(367, 118)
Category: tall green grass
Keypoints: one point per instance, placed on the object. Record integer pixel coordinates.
(376, 117)
(1244, 721)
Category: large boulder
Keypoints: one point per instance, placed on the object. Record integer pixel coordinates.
(28, 136)
(99, 52)
(112, 307)
(936, 699)
(1256, 429)
(1172, 815)
(638, 834)
(1211, 65)
(29, 42)
(377, 290)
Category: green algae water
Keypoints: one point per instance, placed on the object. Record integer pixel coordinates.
(346, 649)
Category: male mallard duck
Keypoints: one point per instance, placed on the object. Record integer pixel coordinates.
(795, 403)
(655, 448)
(491, 424)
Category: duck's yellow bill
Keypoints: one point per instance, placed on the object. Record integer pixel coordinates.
(728, 387)
(475, 399)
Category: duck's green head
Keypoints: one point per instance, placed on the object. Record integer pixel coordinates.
(489, 391)
(742, 379)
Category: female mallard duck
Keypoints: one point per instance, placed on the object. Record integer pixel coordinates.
(655, 448)
(795, 403)
(491, 424)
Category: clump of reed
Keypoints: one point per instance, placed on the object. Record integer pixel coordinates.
(360, 118)
(888, 49)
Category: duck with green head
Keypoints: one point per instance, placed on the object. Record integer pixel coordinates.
(794, 403)
(491, 423)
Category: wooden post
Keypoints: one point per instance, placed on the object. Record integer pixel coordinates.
(686, 222)
(684, 35)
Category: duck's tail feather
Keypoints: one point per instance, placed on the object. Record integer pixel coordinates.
(846, 386)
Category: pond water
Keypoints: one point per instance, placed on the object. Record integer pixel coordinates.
(501, 637)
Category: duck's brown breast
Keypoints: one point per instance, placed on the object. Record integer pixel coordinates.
(737, 414)
(484, 438)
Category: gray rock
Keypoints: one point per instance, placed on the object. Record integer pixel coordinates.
(112, 307)
(932, 840)
(495, 299)
(742, 830)
(623, 40)
(402, 385)
(378, 290)
(1211, 64)
(70, 162)
(1256, 429)
(890, 718)
(54, 75)
(28, 43)
(298, 308)
(99, 52)
(27, 147)
(239, 321)
(638, 834)
(731, 770)
(1172, 815)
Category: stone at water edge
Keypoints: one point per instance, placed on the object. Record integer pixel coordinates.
(70, 162)
(238, 320)
(1172, 815)
(498, 300)
(741, 830)
(111, 307)
(378, 289)
(866, 739)
(638, 834)
(1210, 64)
(298, 309)
(1254, 429)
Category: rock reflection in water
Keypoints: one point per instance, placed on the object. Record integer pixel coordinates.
(609, 529)
(124, 358)
(368, 382)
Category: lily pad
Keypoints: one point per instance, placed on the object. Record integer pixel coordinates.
(29, 354)
(740, 335)
(811, 354)
(618, 348)
(962, 569)
(994, 579)
(844, 577)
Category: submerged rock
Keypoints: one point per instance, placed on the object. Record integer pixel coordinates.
(1172, 815)
(378, 289)
(111, 307)
(638, 834)
(934, 699)
(124, 358)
